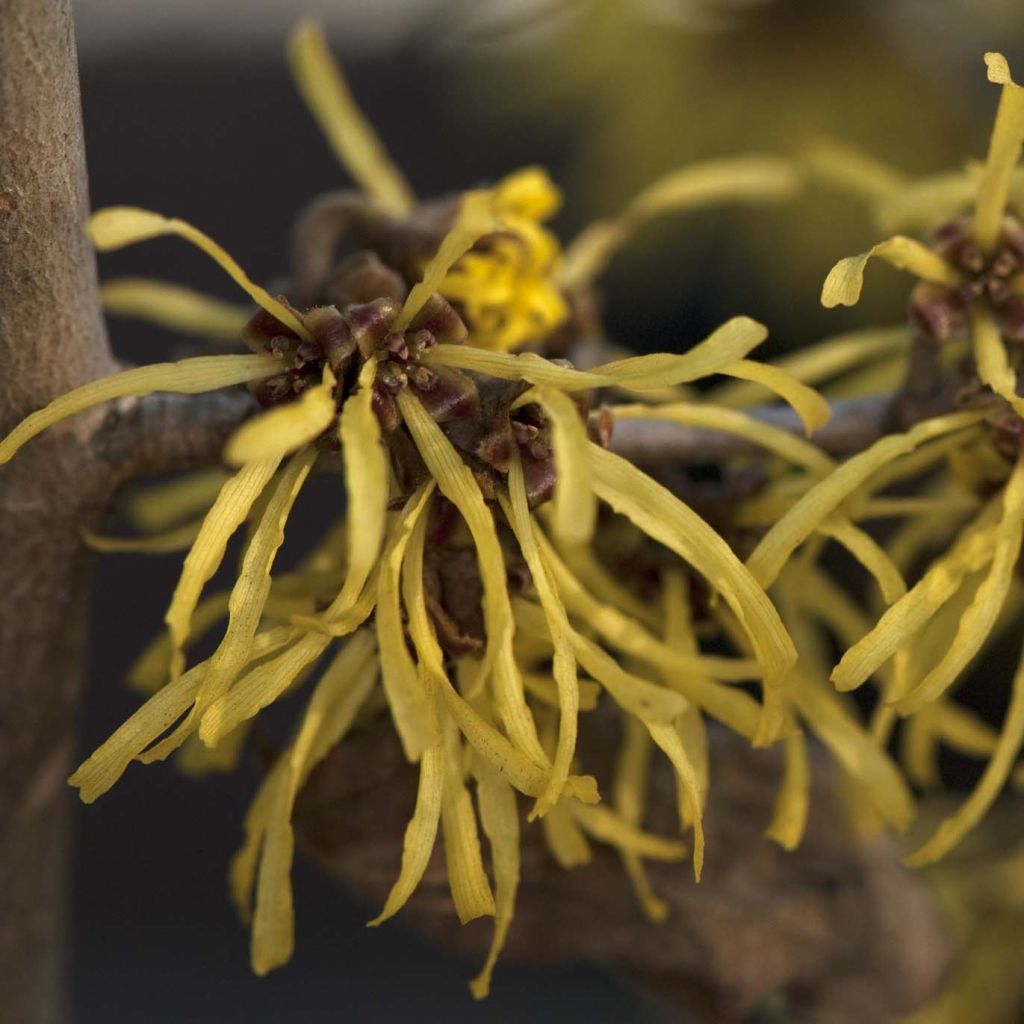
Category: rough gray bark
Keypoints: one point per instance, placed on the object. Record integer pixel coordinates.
(51, 339)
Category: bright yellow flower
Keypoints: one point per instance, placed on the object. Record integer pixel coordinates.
(449, 444)
(971, 285)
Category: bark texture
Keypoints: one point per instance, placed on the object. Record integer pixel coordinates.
(51, 339)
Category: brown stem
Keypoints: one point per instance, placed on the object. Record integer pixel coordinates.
(835, 930)
(51, 339)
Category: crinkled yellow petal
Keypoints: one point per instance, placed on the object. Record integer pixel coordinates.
(789, 816)
(846, 279)
(820, 501)
(367, 489)
(189, 376)
(456, 482)
(689, 672)
(904, 619)
(197, 760)
(118, 226)
(741, 179)
(421, 832)
(544, 689)
(962, 730)
(106, 765)
(529, 193)
(921, 204)
(281, 430)
(228, 512)
(263, 684)
(1003, 154)
(564, 663)
(604, 825)
(669, 740)
(919, 748)
(470, 889)
(595, 578)
(854, 748)
(813, 410)
(729, 343)
(980, 617)
(529, 777)
(161, 506)
(259, 687)
(632, 778)
(320, 82)
(152, 668)
(819, 362)
(245, 605)
(869, 553)
(574, 506)
(680, 636)
(242, 869)
(709, 417)
(330, 712)
(178, 538)
(663, 517)
(852, 170)
(500, 819)
(174, 306)
(405, 694)
(638, 696)
(474, 219)
(997, 771)
(992, 359)
(565, 838)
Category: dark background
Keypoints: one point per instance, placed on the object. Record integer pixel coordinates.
(189, 111)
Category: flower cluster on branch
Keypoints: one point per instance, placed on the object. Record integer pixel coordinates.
(495, 567)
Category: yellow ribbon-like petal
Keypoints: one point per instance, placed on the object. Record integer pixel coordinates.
(741, 179)
(470, 889)
(229, 511)
(666, 519)
(118, 226)
(817, 504)
(406, 697)
(189, 376)
(474, 219)
(632, 777)
(820, 362)
(322, 86)
(564, 665)
(725, 346)
(174, 306)
(456, 482)
(500, 819)
(339, 695)
(991, 358)
(281, 430)
(709, 417)
(813, 410)
(957, 825)
(574, 509)
(980, 617)
(161, 506)
(846, 279)
(1003, 154)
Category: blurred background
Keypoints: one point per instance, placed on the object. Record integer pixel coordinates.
(189, 110)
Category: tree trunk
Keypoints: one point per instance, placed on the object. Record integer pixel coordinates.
(51, 339)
